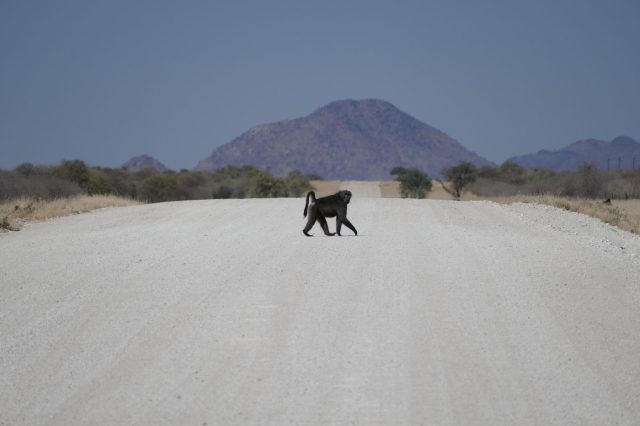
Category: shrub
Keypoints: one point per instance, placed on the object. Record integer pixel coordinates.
(264, 185)
(14, 185)
(4, 224)
(512, 172)
(222, 192)
(159, 187)
(489, 172)
(74, 171)
(98, 183)
(588, 180)
(297, 183)
(75, 177)
(24, 169)
(413, 182)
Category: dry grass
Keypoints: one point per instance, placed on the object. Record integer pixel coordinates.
(14, 213)
(624, 214)
(630, 214)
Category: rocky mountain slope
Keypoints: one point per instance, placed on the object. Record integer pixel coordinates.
(344, 140)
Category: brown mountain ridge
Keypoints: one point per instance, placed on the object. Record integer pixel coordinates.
(345, 139)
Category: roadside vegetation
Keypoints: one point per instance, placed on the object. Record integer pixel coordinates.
(624, 214)
(585, 182)
(15, 212)
(32, 192)
(74, 177)
(416, 184)
(611, 196)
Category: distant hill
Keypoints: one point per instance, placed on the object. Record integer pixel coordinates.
(344, 140)
(143, 162)
(593, 151)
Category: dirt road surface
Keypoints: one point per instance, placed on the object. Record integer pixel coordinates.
(222, 312)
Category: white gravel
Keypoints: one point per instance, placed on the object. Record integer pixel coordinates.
(222, 312)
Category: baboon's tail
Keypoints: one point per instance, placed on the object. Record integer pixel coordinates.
(313, 200)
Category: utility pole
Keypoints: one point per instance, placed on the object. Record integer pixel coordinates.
(608, 164)
(619, 163)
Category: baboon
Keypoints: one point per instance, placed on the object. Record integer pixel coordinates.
(331, 206)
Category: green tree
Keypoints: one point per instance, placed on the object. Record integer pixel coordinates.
(512, 172)
(460, 176)
(75, 171)
(98, 183)
(265, 185)
(24, 169)
(413, 182)
(223, 192)
(488, 172)
(297, 183)
(159, 187)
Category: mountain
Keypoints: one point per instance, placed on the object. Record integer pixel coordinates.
(603, 154)
(143, 162)
(344, 140)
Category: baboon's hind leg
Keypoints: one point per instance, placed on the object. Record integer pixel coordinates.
(325, 226)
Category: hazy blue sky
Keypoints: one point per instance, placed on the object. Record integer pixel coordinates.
(103, 81)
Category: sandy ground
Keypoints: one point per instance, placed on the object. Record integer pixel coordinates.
(359, 189)
(222, 312)
(379, 189)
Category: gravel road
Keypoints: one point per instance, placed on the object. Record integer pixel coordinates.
(222, 312)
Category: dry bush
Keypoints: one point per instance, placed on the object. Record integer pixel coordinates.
(485, 187)
(13, 185)
(630, 214)
(624, 214)
(15, 212)
(585, 182)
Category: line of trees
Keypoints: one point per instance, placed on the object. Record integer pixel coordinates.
(512, 179)
(74, 177)
(587, 181)
(416, 184)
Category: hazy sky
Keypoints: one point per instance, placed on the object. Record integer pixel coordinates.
(103, 81)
